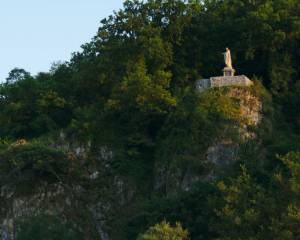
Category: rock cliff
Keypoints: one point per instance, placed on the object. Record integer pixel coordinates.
(222, 150)
(100, 192)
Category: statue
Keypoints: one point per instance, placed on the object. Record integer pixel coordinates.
(227, 58)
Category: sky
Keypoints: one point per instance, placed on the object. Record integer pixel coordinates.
(36, 33)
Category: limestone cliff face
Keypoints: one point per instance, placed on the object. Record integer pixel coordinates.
(74, 199)
(47, 198)
(222, 151)
(117, 192)
(60, 197)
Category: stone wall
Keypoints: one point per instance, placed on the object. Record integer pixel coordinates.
(203, 84)
(230, 81)
(223, 81)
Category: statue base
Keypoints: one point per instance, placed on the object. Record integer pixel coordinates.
(228, 72)
(224, 81)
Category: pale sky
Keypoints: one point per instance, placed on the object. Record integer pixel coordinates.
(36, 33)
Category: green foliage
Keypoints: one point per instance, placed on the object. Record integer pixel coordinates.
(29, 108)
(164, 231)
(130, 94)
(254, 210)
(46, 227)
(17, 75)
(25, 166)
(142, 92)
(192, 127)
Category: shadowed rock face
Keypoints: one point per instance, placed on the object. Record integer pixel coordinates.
(70, 200)
(62, 197)
(48, 198)
(222, 153)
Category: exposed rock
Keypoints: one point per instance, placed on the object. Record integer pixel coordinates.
(222, 152)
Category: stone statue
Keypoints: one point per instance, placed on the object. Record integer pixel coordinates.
(227, 58)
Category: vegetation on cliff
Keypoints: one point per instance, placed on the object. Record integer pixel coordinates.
(93, 133)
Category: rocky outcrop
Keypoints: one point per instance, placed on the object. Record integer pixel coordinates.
(61, 197)
(118, 191)
(222, 150)
(225, 148)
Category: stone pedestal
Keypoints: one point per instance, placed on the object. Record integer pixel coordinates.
(226, 81)
(228, 72)
(223, 81)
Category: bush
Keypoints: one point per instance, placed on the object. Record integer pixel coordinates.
(164, 231)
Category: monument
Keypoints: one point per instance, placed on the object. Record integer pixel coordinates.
(228, 78)
(228, 69)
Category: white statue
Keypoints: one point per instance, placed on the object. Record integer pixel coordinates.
(227, 58)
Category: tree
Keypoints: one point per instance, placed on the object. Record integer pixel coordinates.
(46, 227)
(247, 209)
(17, 74)
(163, 231)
